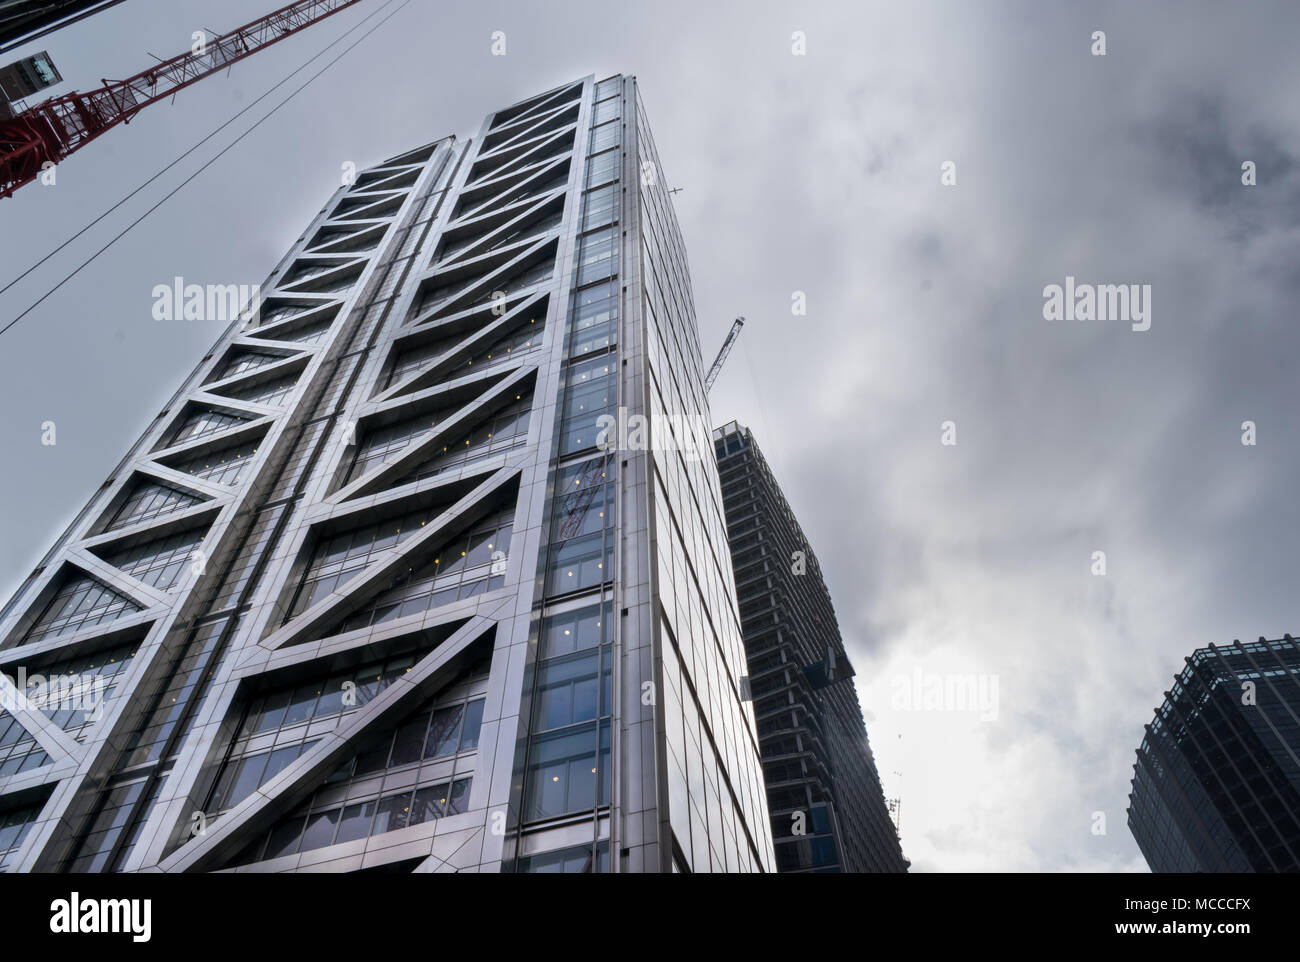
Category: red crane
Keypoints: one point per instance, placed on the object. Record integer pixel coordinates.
(52, 130)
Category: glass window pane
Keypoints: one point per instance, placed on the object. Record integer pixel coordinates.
(355, 822)
(284, 838)
(331, 699)
(279, 761)
(444, 734)
(271, 713)
(459, 800)
(473, 721)
(429, 803)
(374, 758)
(249, 777)
(409, 745)
(300, 706)
(320, 830)
(393, 813)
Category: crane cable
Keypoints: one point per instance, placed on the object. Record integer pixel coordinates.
(232, 144)
(199, 144)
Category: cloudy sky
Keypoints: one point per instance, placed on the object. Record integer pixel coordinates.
(821, 174)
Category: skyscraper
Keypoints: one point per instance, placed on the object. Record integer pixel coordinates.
(1216, 785)
(827, 807)
(386, 586)
(20, 22)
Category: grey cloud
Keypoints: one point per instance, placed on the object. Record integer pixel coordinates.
(821, 174)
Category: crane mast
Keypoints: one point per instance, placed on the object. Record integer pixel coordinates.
(55, 128)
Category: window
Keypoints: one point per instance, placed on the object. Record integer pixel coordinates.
(611, 87)
(581, 542)
(283, 716)
(243, 777)
(581, 858)
(458, 802)
(602, 168)
(588, 395)
(605, 111)
(604, 135)
(384, 442)
(567, 690)
(14, 827)
(221, 467)
(80, 603)
(320, 830)
(597, 256)
(310, 334)
(339, 558)
(580, 563)
(502, 431)
(282, 312)
(243, 361)
(270, 392)
(427, 734)
(159, 563)
(106, 828)
(355, 822)
(444, 733)
(568, 752)
(307, 830)
(575, 631)
(149, 500)
(18, 749)
(429, 803)
(200, 424)
(550, 180)
(409, 361)
(506, 348)
(473, 722)
(568, 771)
(72, 693)
(595, 318)
(465, 566)
(600, 207)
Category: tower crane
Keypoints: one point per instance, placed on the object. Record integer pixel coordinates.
(52, 130)
(727, 345)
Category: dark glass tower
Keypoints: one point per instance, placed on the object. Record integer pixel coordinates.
(1216, 786)
(823, 790)
(376, 589)
(20, 22)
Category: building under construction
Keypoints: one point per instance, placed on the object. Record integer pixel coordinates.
(828, 810)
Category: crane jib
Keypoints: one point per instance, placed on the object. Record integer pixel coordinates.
(50, 131)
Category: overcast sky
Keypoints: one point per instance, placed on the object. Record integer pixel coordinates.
(821, 174)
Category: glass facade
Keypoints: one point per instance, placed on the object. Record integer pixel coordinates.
(147, 501)
(719, 812)
(81, 603)
(225, 465)
(379, 586)
(1216, 785)
(18, 749)
(14, 826)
